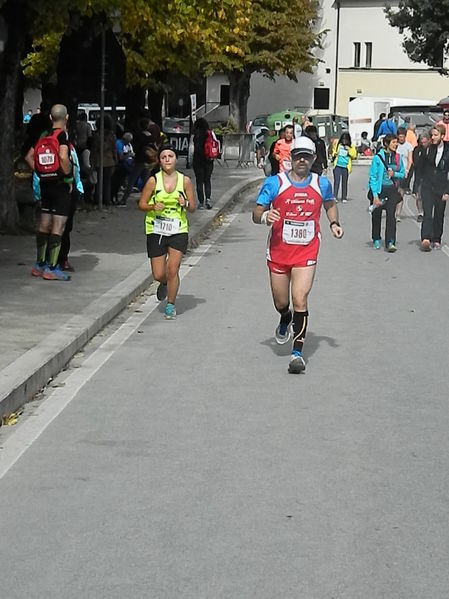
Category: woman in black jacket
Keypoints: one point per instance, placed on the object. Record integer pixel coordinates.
(202, 166)
(435, 189)
(419, 156)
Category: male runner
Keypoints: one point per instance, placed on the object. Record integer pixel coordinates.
(55, 199)
(290, 204)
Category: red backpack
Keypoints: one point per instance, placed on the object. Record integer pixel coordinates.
(46, 156)
(211, 146)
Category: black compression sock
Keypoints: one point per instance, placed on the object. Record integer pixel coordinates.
(286, 315)
(300, 320)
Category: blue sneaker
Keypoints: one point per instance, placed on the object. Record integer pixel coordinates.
(55, 274)
(297, 364)
(170, 312)
(283, 333)
(376, 244)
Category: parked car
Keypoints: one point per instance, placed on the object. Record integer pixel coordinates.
(175, 125)
(257, 123)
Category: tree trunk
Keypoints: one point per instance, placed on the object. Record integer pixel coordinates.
(135, 103)
(10, 73)
(238, 97)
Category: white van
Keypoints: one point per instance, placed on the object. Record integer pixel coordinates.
(93, 112)
(364, 111)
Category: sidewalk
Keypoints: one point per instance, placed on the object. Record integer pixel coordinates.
(44, 323)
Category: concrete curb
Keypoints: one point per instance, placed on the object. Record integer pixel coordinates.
(24, 377)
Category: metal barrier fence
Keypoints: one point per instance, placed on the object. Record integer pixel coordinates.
(239, 147)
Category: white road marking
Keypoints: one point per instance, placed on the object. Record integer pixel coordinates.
(32, 428)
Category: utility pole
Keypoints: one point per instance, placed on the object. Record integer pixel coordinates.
(102, 94)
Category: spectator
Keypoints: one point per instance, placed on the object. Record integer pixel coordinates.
(125, 158)
(435, 189)
(273, 162)
(320, 163)
(411, 135)
(386, 169)
(109, 159)
(342, 154)
(445, 123)
(365, 147)
(419, 156)
(55, 189)
(387, 126)
(83, 131)
(144, 159)
(39, 123)
(202, 166)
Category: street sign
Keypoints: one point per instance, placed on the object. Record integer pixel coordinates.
(193, 107)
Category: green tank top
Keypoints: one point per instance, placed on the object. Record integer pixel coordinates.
(172, 219)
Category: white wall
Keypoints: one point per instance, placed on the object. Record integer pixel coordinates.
(213, 85)
(268, 96)
(365, 21)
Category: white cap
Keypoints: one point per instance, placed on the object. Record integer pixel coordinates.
(302, 145)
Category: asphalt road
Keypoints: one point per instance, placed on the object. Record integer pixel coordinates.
(180, 460)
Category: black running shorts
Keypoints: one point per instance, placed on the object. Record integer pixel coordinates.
(157, 245)
(55, 199)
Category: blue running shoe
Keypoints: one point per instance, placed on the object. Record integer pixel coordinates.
(283, 333)
(55, 274)
(297, 364)
(376, 244)
(170, 312)
(38, 269)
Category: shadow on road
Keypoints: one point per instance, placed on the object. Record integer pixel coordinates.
(312, 343)
(184, 303)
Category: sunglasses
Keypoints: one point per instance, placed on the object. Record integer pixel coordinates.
(304, 155)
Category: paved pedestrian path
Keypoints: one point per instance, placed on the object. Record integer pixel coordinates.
(43, 323)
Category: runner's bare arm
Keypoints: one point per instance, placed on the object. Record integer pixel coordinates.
(188, 189)
(145, 196)
(332, 215)
(272, 215)
(64, 160)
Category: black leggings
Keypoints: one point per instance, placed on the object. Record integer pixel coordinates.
(203, 173)
(433, 219)
(390, 197)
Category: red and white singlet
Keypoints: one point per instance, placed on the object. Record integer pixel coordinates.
(294, 241)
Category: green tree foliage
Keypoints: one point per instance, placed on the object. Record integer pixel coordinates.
(280, 38)
(155, 36)
(425, 26)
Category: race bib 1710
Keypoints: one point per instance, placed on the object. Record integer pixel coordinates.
(166, 226)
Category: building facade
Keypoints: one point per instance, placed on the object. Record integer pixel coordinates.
(362, 56)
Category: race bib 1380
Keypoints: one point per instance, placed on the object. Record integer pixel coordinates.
(298, 232)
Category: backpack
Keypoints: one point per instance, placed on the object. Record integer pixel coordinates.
(46, 157)
(211, 147)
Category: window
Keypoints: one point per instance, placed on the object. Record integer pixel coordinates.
(224, 95)
(321, 97)
(357, 52)
(368, 54)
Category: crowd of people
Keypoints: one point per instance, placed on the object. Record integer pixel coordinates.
(68, 164)
(289, 201)
(400, 159)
